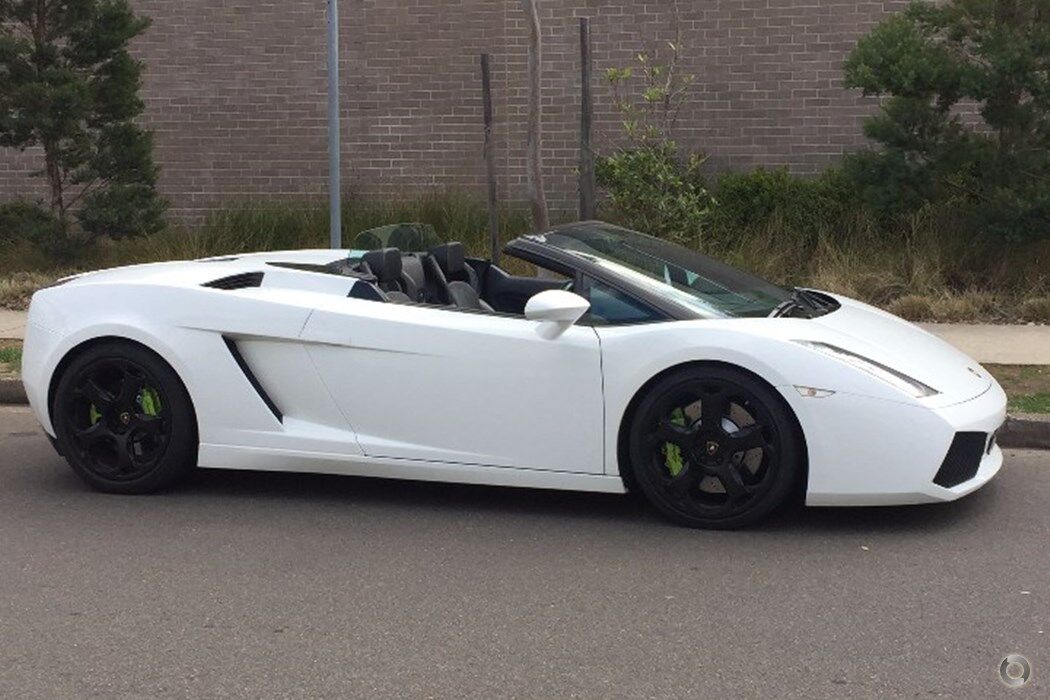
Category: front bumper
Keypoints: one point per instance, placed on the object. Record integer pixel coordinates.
(38, 352)
(865, 451)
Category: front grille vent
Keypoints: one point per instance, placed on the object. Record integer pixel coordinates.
(963, 459)
(244, 280)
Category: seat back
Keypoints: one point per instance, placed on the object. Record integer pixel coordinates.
(452, 259)
(386, 265)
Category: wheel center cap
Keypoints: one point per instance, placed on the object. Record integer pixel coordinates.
(125, 418)
(712, 448)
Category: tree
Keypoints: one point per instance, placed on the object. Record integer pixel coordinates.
(534, 126)
(69, 86)
(931, 62)
(647, 183)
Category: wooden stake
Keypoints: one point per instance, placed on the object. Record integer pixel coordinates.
(534, 145)
(490, 157)
(587, 205)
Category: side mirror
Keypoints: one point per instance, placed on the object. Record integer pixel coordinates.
(557, 310)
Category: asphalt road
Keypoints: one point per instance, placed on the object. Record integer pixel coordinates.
(244, 584)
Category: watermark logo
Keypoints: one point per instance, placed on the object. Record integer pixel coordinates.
(1015, 671)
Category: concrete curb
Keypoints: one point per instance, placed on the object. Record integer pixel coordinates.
(1022, 431)
(12, 392)
(1025, 431)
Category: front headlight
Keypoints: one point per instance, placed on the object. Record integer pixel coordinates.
(911, 387)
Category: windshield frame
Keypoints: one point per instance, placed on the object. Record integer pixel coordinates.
(550, 257)
(535, 249)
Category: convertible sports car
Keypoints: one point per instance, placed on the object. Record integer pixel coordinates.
(629, 364)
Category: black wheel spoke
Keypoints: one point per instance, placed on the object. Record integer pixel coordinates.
(748, 438)
(125, 462)
(94, 393)
(679, 435)
(92, 434)
(712, 408)
(130, 386)
(148, 425)
(732, 481)
(687, 480)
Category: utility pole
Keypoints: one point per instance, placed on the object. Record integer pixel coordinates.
(335, 188)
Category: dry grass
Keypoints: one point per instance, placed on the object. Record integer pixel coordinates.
(1035, 309)
(912, 307)
(925, 269)
(929, 271)
(16, 288)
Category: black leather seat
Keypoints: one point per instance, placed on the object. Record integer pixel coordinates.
(452, 259)
(385, 264)
(413, 277)
(453, 279)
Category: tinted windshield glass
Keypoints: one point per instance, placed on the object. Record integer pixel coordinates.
(713, 289)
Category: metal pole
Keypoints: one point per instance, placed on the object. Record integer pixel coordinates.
(334, 155)
(490, 157)
(586, 117)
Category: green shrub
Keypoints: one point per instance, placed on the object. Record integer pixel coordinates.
(651, 189)
(22, 221)
(799, 205)
(928, 60)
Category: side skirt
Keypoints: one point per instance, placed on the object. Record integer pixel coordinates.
(263, 459)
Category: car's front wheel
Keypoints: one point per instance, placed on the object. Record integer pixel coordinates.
(123, 419)
(713, 447)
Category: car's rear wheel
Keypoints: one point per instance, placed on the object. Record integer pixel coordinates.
(123, 419)
(713, 447)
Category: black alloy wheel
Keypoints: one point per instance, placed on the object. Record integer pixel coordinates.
(714, 447)
(124, 420)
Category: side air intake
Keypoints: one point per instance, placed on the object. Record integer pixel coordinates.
(231, 345)
(963, 459)
(244, 280)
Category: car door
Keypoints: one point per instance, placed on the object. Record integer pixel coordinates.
(443, 385)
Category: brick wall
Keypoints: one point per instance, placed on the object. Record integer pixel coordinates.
(236, 91)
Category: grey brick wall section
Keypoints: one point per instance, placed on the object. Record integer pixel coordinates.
(236, 91)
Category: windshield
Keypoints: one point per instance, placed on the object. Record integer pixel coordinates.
(711, 288)
(409, 238)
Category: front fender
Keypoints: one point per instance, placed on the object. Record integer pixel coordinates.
(633, 355)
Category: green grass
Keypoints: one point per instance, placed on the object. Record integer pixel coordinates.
(11, 356)
(1031, 403)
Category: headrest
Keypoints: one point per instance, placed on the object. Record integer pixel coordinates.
(451, 257)
(384, 263)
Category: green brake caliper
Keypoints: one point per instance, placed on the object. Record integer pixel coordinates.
(149, 401)
(673, 453)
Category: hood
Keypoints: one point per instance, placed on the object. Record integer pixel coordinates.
(894, 342)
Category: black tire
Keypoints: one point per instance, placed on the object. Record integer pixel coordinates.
(123, 419)
(714, 447)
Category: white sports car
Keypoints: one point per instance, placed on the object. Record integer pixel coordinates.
(632, 363)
